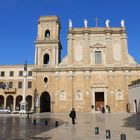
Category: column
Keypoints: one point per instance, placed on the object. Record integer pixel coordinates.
(5, 101)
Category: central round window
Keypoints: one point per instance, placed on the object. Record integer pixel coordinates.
(45, 79)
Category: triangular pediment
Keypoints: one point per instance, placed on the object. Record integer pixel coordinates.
(97, 45)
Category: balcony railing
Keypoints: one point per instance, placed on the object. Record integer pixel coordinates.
(10, 91)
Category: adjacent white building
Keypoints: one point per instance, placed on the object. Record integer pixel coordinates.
(134, 97)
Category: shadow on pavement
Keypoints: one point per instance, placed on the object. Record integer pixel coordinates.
(133, 121)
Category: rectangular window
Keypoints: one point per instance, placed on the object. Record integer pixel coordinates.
(19, 84)
(1, 84)
(10, 84)
(20, 73)
(29, 73)
(2, 73)
(98, 57)
(11, 73)
(29, 84)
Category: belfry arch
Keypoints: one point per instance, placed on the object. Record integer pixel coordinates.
(46, 58)
(47, 33)
(45, 102)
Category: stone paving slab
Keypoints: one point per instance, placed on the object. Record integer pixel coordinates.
(117, 123)
(19, 127)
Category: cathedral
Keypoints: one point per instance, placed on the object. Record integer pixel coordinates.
(95, 73)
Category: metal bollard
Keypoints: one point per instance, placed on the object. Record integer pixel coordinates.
(96, 130)
(46, 122)
(56, 124)
(66, 124)
(123, 137)
(34, 121)
(108, 134)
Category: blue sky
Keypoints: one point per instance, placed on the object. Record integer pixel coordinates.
(18, 23)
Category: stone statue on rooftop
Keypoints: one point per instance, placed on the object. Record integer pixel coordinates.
(122, 23)
(86, 23)
(107, 23)
(70, 23)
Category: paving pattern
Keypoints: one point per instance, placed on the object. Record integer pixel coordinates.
(44, 126)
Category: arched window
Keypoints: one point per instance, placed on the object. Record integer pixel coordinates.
(46, 58)
(47, 33)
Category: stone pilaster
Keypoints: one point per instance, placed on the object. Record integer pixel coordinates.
(71, 79)
(124, 47)
(109, 53)
(86, 50)
(70, 49)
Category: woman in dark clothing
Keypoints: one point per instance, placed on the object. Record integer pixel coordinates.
(73, 115)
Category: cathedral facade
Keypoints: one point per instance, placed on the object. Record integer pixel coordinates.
(95, 73)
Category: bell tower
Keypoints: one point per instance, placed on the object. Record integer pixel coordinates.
(47, 45)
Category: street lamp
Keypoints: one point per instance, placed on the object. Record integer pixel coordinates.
(23, 102)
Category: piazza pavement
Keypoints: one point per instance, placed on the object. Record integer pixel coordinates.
(44, 126)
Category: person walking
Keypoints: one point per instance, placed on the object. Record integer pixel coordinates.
(73, 115)
(102, 109)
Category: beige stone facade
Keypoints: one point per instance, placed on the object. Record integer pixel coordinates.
(11, 86)
(95, 72)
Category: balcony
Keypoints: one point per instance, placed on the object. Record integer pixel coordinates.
(10, 91)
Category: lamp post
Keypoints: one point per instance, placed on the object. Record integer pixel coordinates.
(23, 102)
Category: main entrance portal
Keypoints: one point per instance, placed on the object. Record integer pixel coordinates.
(45, 102)
(99, 100)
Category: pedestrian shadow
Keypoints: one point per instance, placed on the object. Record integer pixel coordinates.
(40, 138)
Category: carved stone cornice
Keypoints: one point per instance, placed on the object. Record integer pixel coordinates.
(86, 68)
(47, 41)
(114, 30)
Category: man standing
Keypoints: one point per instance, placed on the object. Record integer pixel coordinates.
(73, 115)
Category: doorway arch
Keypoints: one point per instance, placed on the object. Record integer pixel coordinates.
(9, 102)
(45, 101)
(1, 101)
(29, 102)
(18, 100)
